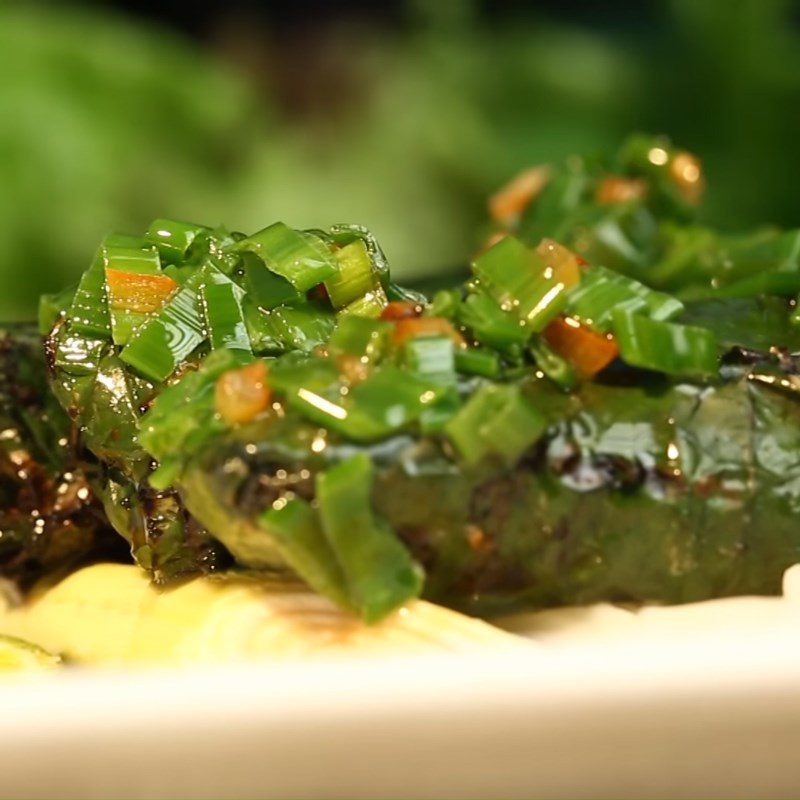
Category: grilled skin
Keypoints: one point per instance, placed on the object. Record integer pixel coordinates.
(105, 400)
(50, 518)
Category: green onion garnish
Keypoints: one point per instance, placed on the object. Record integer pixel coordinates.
(222, 305)
(477, 361)
(388, 401)
(497, 420)
(88, 315)
(173, 238)
(183, 418)
(489, 324)
(601, 291)
(370, 305)
(355, 276)
(665, 346)
(431, 356)
(295, 528)
(266, 289)
(554, 366)
(360, 336)
(518, 280)
(301, 258)
(380, 573)
(163, 342)
(302, 327)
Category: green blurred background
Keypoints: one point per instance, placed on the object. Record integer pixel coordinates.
(400, 115)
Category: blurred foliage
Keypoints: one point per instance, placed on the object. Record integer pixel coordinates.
(102, 123)
(107, 123)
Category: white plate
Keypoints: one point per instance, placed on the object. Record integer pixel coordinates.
(696, 701)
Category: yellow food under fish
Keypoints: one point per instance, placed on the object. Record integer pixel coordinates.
(112, 614)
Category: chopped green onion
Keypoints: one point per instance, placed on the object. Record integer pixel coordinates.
(173, 238)
(436, 415)
(779, 253)
(446, 303)
(664, 346)
(267, 289)
(684, 255)
(163, 342)
(346, 234)
(360, 336)
(497, 420)
(290, 374)
(601, 291)
(260, 330)
(183, 417)
(777, 282)
(557, 368)
(431, 356)
(355, 276)
(622, 237)
(79, 355)
(222, 305)
(388, 401)
(489, 324)
(370, 305)
(302, 259)
(518, 280)
(88, 314)
(286, 328)
(556, 204)
(477, 361)
(301, 327)
(295, 528)
(380, 573)
(144, 261)
(133, 297)
(119, 260)
(180, 273)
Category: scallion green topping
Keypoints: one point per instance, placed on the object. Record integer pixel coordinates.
(477, 361)
(554, 366)
(140, 260)
(497, 420)
(184, 417)
(296, 530)
(173, 238)
(301, 258)
(370, 305)
(222, 306)
(360, 336)
(266, 289)
(518, 280)
(664, 346)
(431, 356)
(379, 571)
(601, 291)
(355, 276)
(489, 324)
(167, 339)
(88, 315)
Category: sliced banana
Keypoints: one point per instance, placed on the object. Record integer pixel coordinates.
(111, 613)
